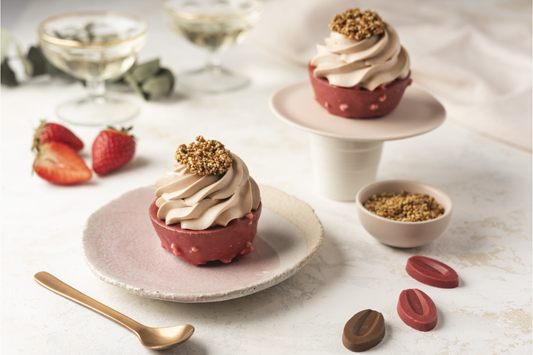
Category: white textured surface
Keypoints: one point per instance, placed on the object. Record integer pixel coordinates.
(488, 241)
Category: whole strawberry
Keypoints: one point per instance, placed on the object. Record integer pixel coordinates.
(112, 149)
(58, 163)
(53, 132)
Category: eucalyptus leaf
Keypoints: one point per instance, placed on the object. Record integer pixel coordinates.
(158, 85)
(38, 60)
(145, 70)
(130, 79)
(89, 29)
(120, 78)
(58, 73)
(145, 79)
(58, 35)
(161, 84)
(116, 80)
(36, 56)
(8, 76)
(110, 37)
(168, 73)
(5, 44)
(49, 68)
(28, 65)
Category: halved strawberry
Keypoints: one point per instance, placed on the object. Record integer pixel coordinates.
(112, 149)
(53, 132)
(60, 164)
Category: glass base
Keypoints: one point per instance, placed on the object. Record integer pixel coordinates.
(211, 80)
(97, 111)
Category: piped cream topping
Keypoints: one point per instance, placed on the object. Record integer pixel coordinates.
(366, 63)
(202, 201)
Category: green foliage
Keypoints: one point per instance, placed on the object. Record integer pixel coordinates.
(8, 76)
(143, 71)
(159, 84)
(5, 44)
(147, 79)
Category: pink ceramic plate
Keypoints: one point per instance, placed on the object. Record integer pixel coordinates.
(417, 113)
(122, 248)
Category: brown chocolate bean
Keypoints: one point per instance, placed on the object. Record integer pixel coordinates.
(364, 331)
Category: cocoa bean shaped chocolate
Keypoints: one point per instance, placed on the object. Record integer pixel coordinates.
(417, 310)
(364, 331)
(431, 272)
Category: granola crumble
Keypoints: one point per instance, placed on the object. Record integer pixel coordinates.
(356, 24)
(404, 207)
(204, 157)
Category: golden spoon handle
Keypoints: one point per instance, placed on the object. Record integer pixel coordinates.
(57, 286)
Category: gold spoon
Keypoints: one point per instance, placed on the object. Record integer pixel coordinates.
(153, 338)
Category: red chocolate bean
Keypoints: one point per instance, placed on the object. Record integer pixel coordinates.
(417, 310)
(364, 331)
(431, 272)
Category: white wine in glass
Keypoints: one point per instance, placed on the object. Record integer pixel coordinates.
(94, 46)
(215, 25)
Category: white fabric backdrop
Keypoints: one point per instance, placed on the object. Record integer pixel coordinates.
(473, 55)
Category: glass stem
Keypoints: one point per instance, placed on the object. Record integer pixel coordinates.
(96, 89)
(213, 63)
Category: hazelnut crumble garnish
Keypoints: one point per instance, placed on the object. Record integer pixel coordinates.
(404, 207)
(204, 157)
(357, 24)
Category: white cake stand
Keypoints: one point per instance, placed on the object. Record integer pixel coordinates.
(345, 151)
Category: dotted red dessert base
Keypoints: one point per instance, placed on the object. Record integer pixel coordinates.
(355, 102)
(215, 243)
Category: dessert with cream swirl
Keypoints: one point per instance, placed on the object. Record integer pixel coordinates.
(208, 206)
(362, 70)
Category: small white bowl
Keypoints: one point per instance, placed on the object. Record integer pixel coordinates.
(403, 234)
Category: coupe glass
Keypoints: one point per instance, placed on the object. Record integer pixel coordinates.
(94, 46)
(215, 25)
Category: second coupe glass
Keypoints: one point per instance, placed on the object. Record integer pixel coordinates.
(215, 25)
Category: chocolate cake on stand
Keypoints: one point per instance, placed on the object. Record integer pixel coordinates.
(346, 151)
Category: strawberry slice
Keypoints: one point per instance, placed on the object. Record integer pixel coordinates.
(58, 163)
(112, 149)
(53, 132)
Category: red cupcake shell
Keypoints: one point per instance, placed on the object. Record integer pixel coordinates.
(215, 243)
(356, 102)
